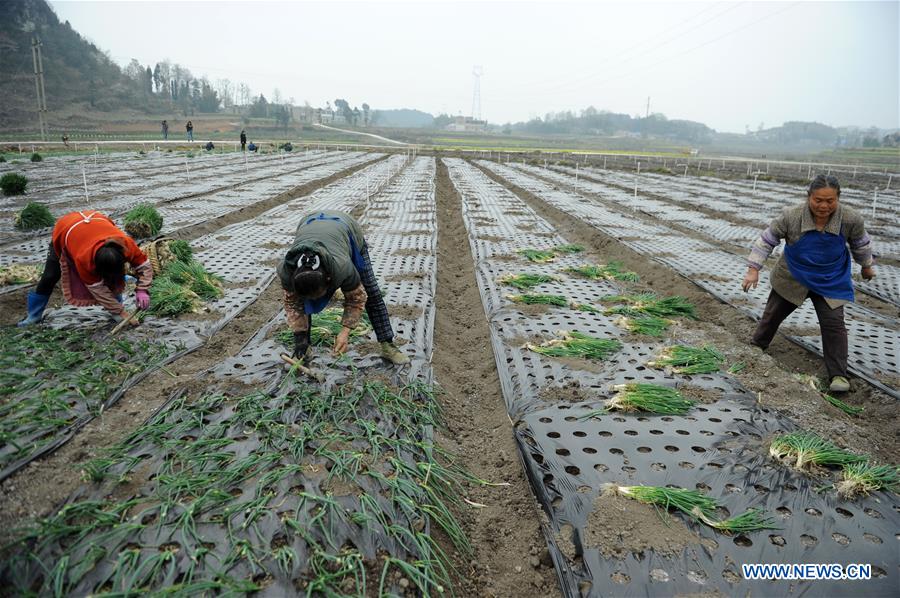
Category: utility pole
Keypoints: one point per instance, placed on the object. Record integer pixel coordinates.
(648, 107)
(39, 85)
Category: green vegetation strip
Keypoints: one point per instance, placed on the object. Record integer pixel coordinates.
(695, 505)
(301, 491)
(50, 379)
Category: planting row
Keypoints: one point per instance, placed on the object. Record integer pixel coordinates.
(188, 211)
(158, 187)
(286, 488)
(673, 204)
(873, 337)
(242, 256)
(612, 411)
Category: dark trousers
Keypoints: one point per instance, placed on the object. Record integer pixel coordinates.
(831, 324)
(375, 307)
(51, 275)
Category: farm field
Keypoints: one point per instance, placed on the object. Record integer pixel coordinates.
(184, 457)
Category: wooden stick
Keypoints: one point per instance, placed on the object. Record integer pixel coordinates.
(294, 363)
(122, 324)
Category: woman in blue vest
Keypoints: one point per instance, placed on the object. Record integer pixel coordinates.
(820, 237)
(329, 253)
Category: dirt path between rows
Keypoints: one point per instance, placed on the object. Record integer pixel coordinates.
(41, 487)
(771, 373)
(511, 557)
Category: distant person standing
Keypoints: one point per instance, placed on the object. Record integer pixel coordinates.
(190, 130)
(243, 140)
(65, 140)
(165, 130)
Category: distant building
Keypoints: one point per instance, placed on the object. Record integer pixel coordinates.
(467, 123)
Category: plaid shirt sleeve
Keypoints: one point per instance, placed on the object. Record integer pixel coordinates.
(294, 313)
(354, 304)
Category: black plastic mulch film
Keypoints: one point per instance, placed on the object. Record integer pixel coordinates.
(243, 254)
(719, 447)
(874, 341)
(226, 190)
(750, 206)
(287, 510)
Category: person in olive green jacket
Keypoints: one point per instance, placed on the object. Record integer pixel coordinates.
(329, 253)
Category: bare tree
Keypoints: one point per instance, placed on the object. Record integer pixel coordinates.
(224, 88)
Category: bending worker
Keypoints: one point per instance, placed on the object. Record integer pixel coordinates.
(815, 264)
(88, 252)
(329, 253)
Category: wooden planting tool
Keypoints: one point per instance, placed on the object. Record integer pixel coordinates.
(295, 363)
(122, 324)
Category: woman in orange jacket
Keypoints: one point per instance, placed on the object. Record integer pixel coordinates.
(88, 252)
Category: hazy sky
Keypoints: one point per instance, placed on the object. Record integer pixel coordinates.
(727, 64)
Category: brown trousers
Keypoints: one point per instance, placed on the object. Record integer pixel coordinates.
(831, 324)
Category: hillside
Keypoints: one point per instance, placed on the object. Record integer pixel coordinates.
(76, 72)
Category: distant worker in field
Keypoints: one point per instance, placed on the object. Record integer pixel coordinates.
(65, 140)
(190, 130)
(821, 236)
(209, 146)
(165, 129)
(252, 147)
(330, 253)
(88, 252)
(243, 140)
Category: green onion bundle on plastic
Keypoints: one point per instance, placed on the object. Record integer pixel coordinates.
(576, 344)
(650, 304)
(864, 478)
(539, 299)
(695, 505)
(34, 216)
(526, 281)
(689, 360)
(142, 221)
(801, 450)
(651, 398)
(646, 325)
(611, 271)
(537, 255)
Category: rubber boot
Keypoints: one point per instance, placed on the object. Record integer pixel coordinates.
(390, 352)
(36, 306)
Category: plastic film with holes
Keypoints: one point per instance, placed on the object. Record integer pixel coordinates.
(244, 255)
(874, 339)
(719, 447)
(190, 204)
(265, 508)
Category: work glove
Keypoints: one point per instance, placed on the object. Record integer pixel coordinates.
(301, 344)
(142, 299)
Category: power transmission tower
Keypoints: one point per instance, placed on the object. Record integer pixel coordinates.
(648, 107)
(39, 85)
(477, 71)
